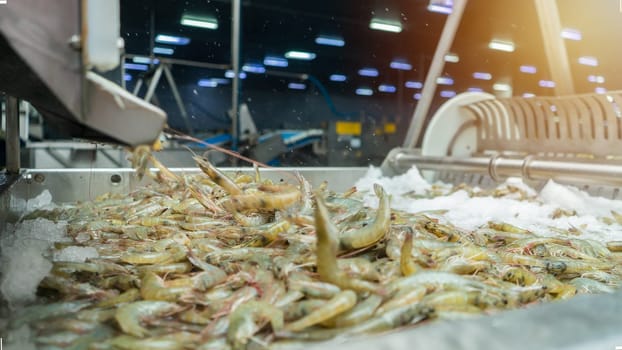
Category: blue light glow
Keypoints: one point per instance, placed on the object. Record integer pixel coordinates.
(401, 65)
(413, 84)
(275, 61)
(330, 40)
(368, 72)
(297, 86)
(338, 77)
(135, 66)
(254, 68)
(171, 39)
(387, 88)
(364, 91)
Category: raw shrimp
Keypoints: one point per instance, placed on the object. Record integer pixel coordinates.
(373, 232)
(340, 303)
(129, 316)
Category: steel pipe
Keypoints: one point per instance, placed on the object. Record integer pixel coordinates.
(529, 168)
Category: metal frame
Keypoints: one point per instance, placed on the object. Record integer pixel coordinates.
(555, 50)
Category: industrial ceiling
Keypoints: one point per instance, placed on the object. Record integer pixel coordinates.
(272, 28)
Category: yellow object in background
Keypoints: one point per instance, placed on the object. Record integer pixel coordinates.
(389, 128)
(348, 128)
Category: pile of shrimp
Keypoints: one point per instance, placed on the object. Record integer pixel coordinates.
(232, 261)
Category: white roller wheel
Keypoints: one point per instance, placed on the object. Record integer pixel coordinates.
(441, 138)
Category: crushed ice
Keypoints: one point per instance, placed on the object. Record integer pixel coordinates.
(25, 258)
(469, 213)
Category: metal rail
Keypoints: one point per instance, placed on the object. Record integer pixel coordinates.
(529, 168)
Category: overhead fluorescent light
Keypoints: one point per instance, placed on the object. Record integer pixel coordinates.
(506, 46)
(275, 61)
(588, 61)
(387, 88)
(482, 75)
(300, 55)
(440, 9)
(444, 81)
(199, 22)
(475, 89)
(417, 96)
(145, 60)
(448, 93)
(364, 91)
(501, 87)
(254, 68)
(528, 95)
(528, 69)
(127, 77)
(596, 79)
(297, 86)
(452, 58)
(163, 50)
(571, 34)
(135, 66)
(368, 72)
(413, 84)
(546, 83)
(400, 65)
(385, 25)
(600, 90)
(221, 81)
(338, 77)
(207, 83)
(330, 40)
(230, 74)
(171, 39)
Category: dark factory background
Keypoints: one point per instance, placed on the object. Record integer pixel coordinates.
(354, 72)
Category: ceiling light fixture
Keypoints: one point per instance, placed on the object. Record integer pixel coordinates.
(500, 45)
(207, 83)
(501, 87)
(546, 83)
(452, 58)
(368, 72)
(254, 68)
(135, 66)
(482, 76)
(300, 55)
(338, 77)
(330, 40)
(145, 60)
(588, 61)
(387, 88)
(230, 74)
(364, 92)
(297, 86)
(400, 65)
(448, 93)
(386, 26)
(444, 81)
(571, 34)
(413, 84)
(171, 39)
(199, 22)
(163, 50)
(275, 61)
(528, 69)
(596, 79)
